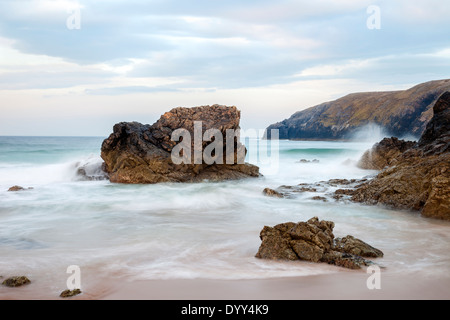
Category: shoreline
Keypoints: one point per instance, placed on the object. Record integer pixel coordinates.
(338, 286)
(342, 285)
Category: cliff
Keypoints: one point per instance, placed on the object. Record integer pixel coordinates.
(400, 113)
(413, 176)
(418, 178)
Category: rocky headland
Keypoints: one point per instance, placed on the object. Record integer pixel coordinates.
(411, 175)
(415, 178)
(399, 113)
(137, 153)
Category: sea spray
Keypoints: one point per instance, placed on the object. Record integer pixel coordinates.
(31, 161)
(370, 133)
(88, 169)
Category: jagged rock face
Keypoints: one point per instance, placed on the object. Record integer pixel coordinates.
(137, 153)
(420, 178)
(399, 113)
(352, 245)
(436, 138)
(314, 241)
(384, 153)
(212, 117)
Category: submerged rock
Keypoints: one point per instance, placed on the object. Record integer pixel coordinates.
(324, 199)
(326, 189)
(290, 192)
(341, 182)
(90, 170)
(420, 178)
(308, 161)
(18, 188)
(137, 153)
(314, 241)
(272, 193)
(16, 281)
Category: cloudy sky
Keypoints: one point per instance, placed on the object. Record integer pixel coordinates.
(77, 67)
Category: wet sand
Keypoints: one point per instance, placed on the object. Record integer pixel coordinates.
(342, 285)
(346, 286)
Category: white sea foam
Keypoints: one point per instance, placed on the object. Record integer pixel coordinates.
(207, 230)
(87, 168)
(370, 133)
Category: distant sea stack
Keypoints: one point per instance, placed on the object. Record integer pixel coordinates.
(142, 154)
(399, 113)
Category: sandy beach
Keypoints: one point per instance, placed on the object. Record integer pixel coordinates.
(342, 286)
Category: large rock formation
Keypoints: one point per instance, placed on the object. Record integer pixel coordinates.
(400, 113)
(384, 153)
(137, 153)
(418, 178)
(314, 241)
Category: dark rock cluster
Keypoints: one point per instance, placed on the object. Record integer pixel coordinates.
(314, 241)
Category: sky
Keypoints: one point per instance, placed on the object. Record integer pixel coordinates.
(75, 68)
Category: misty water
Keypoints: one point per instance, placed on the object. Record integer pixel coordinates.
(186, 231)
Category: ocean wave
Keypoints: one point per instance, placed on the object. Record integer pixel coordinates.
(88, 168)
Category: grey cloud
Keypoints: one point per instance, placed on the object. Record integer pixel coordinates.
(129, 89)
(158, 32)
(33, 79)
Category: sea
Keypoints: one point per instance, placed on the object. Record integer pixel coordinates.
(69, 215)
